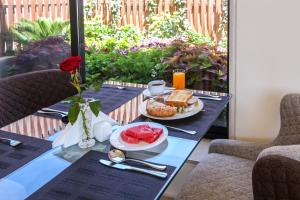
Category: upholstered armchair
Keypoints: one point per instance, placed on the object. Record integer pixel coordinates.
(247, 170)
(24, 94)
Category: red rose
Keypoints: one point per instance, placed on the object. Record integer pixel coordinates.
(70, 64)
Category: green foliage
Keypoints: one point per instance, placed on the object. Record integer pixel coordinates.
(115, 10)
(95, 107)
(206, 67)
(117, 53)
(26, 31)
(224, 23)
(73, 113)
(104, 38)
(166, 25)
(152, 6)
(224, 43)
(89, 9)
(193, 37)
(139, 66)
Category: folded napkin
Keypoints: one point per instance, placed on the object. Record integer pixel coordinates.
(73, 133)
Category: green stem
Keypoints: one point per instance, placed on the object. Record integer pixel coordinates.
(85, 129)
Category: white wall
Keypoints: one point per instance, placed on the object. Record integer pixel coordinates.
(265, 58)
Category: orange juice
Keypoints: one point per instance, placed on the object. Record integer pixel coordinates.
(179, 79)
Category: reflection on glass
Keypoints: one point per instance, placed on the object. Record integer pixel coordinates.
(34, 36)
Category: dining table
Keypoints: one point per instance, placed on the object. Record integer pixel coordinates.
(37, 171)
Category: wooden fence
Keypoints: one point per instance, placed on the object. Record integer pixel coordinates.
(204, 15)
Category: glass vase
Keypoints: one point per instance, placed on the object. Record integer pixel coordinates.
(86, 114)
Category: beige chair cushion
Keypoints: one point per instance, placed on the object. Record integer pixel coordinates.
(219, 177)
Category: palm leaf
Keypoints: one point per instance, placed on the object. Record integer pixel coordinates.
(26, 31)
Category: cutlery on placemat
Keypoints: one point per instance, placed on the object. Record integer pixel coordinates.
(64, 117)
(66, 101)
(212, 95)
(70, 101)
(137, 169)
(114, 86)
(54, 110)
(210, 98)
(10, 142)
(175, 128)
(51, 112)
(118, 156)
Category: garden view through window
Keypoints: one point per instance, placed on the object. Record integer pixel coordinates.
(133, 41)
(139, 41)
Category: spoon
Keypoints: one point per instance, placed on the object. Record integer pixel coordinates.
(118, 156)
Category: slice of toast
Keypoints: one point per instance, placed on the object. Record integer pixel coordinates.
(179, 98)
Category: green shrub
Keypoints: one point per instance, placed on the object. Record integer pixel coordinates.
(206, 67)
(138, 66)
(102, 37)
(166, 25)
(27, 31)
(193, 37)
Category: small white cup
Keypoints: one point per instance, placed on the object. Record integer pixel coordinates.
(156, 87)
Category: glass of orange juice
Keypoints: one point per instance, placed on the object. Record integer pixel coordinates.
(179, 79)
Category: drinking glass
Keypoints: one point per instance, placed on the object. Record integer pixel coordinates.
(179, 79)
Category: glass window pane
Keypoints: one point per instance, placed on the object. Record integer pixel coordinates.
(139, 41)
(35, 35)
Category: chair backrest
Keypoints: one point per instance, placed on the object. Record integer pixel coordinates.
(290, 120)
(276, 173)
(24, 94)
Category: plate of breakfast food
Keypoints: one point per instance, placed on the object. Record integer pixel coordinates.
(139, 136)
(178, 105)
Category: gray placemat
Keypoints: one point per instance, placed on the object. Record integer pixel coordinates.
(11, 158)
(87, 179)
(200, 122)
(110, 96)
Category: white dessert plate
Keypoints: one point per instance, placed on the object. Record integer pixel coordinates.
(117, 142)
(147, 93)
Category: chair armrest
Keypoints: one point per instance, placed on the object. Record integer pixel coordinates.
(276, 177)
(289, 151)
(242, 149)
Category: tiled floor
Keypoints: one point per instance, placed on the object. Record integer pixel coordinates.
(175, 186)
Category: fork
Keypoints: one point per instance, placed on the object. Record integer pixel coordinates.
(10, 142)
(175, 128)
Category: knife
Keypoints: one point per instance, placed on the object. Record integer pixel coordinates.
(54, 111)
(51, 113)
(127, 167)
(210, 98)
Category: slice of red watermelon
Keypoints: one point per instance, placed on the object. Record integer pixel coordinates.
(158, 131)
(139, 133)
(126, 138)
(151, 139)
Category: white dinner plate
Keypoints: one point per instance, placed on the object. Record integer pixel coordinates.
(147, 93)
(196, 109)
(117, 142)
